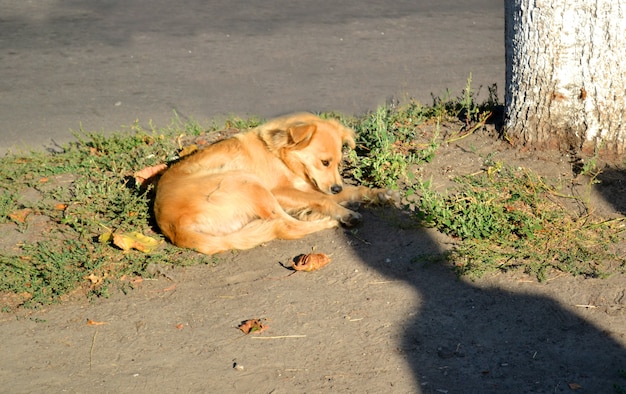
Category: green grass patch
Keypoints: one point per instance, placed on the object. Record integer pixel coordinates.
(388, 144)
(395, 138)
(84, 191)
(513, 218)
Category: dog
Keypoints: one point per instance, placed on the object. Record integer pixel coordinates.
(279, 180)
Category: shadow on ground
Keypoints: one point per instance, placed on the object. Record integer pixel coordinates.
(492, 337)
(612, 187)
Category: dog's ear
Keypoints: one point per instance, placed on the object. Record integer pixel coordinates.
(346, 133)
(300, 135)
(348, 137)
(293, 137)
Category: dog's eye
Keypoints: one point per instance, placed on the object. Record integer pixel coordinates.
(325, 163)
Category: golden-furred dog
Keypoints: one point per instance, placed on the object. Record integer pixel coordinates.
(278, 180)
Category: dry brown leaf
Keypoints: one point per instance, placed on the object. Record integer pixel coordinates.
(21, 215)
(148, 173)
(135, 240)
(252, 326)
(96, 323)
(310, 262)
(60, 206)
(574, 386)
(180, 326)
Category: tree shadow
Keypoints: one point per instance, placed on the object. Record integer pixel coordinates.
(473, 338)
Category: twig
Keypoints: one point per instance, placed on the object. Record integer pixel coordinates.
(476, 126)
(353, 233)
(556, 277)
(381, 282)
(93, 344)
(171, 288)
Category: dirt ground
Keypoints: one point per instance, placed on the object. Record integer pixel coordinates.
(381, 317)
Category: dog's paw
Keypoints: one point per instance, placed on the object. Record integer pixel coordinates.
(351, 219)
(388, 196)
(351, 205)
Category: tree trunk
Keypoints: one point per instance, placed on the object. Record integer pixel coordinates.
(566, 74)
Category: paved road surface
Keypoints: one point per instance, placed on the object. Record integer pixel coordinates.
(102, 65)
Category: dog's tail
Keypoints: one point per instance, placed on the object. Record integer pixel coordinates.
(252, 234)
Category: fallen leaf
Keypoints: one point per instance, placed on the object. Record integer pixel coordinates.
(310, 262)
(105, 237)
(252, 326)
(95, 279)
(189, 149)
(96, 323)
(180, 326)
(148, 173)
(135, 240)
(25, 295)
(574, 386)
(21, 215)
(60, 207)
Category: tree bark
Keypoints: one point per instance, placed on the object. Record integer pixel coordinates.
(566, 74)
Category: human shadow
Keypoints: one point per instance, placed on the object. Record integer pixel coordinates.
(612, 187)
(473, 338)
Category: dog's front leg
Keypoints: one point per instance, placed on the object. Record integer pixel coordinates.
(311, 205)
(315, 205)
(362, 194)
(353, 196)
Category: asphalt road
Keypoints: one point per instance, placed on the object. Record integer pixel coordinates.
(100, 65)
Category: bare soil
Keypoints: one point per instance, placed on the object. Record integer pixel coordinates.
(381, 317)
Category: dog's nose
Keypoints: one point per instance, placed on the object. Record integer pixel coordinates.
(336, 189)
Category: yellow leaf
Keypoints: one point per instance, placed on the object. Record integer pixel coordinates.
(95, 279)
(135, 240)
(189, 149)
(105, 237)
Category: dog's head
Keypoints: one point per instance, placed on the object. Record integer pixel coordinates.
(311, 147)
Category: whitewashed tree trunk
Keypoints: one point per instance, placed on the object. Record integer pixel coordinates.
(566, 74)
